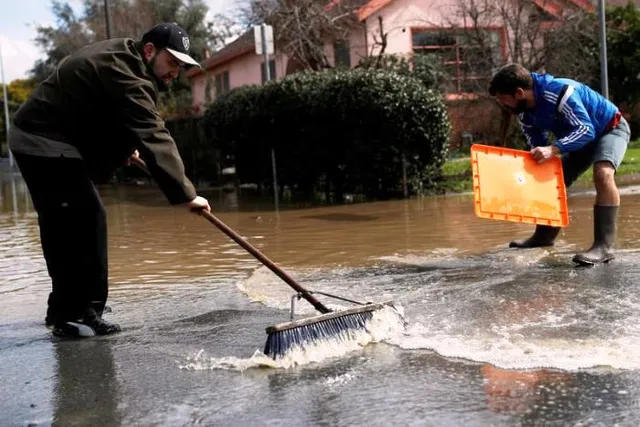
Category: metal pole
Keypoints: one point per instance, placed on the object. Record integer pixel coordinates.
(275, 177)
(267, 70)
(107, 18)
(404, 177)
(604, 78)
(6, 109)
(267, 74)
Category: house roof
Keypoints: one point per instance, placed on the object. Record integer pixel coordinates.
(368, 8)
(585, 4)
(240, 46)
(371, 7)
(554, 7)
(246, 44)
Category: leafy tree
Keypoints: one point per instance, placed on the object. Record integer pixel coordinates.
(623, 57)
(129, 18)
(64, 37)
(17, 91)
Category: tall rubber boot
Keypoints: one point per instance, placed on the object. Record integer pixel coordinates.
(605, 218)
(544, 235)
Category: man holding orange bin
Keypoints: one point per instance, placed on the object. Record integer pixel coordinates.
(589, 131)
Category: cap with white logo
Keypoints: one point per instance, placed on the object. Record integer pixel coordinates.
(173, 38)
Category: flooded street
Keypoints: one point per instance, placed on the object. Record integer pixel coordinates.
(495, 336)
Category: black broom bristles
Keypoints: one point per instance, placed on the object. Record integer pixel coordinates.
(339, 325)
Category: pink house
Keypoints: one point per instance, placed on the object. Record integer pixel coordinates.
(235, 65)
(409, 27)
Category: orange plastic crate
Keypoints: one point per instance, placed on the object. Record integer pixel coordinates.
(509, 185)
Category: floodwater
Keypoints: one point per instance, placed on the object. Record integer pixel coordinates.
(495, 336)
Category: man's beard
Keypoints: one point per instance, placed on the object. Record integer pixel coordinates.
(520, 107)
(162, 86)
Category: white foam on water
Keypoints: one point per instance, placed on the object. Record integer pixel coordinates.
(543, 340)
(444, 257)
(520, 258)
(422, 259)
(511, 350)
(384, 324)
(199, 362)
(339, 380)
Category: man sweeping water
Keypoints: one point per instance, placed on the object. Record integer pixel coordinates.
(589, 131)
(96, 111)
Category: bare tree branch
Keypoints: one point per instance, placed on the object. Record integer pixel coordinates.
(302, 27)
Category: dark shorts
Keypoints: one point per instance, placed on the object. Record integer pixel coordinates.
(610, 147)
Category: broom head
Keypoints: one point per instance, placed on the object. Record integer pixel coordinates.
(340, 325)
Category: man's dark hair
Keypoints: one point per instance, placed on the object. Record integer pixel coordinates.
(509, 78)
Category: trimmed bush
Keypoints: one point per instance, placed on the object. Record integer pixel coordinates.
(201, 159)
(334, 131)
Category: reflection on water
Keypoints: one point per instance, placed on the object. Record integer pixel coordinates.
(86, 385)
(516, 392)
(14, 197)
(551, 396)
(495, 337)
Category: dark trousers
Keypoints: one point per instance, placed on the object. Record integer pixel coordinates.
(73, 233)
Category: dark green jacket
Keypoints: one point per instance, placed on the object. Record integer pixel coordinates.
(102, 100)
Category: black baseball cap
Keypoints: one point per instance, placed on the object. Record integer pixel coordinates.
(173, 38)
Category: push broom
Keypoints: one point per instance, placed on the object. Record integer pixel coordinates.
(342, 325)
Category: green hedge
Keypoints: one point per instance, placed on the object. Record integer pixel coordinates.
(336, 132)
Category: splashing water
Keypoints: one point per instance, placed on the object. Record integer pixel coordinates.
(512, 310)
(385, 324)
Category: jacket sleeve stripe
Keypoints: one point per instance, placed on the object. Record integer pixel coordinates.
(524, 131)
(581, 130)
(565, 97)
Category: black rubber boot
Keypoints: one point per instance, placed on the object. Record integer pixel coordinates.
(605, 220)
(544, 235)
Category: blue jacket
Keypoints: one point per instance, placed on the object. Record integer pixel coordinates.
(579, 117)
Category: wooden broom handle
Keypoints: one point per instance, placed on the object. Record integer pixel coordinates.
(251, 249)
